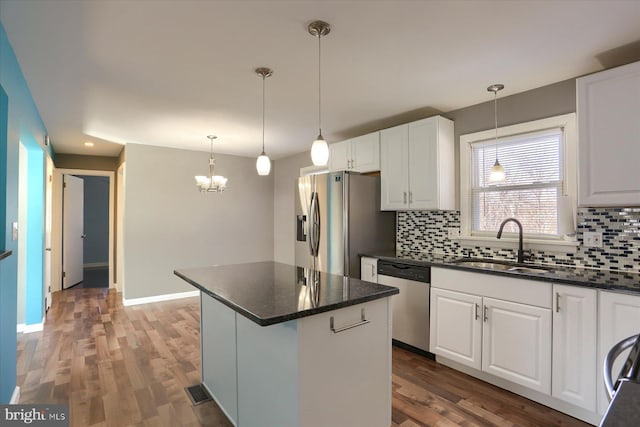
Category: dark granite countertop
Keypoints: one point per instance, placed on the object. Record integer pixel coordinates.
(271, 292)
(4, 254)
(603, 279)
(624, 409)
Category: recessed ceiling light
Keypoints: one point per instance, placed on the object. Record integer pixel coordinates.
(89, 144)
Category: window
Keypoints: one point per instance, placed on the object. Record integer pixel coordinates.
(539, 162)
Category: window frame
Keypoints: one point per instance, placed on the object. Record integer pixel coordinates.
(567, 203)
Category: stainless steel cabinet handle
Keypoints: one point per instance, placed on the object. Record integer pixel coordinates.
(410, 196)
(404, 197)
(363, 321)
(477, 315)
(557, 302)
(373, 271)
(486, 316)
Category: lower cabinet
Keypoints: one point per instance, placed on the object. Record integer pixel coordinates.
(574, 340)
(369, 269)
(506, 339)
(516, 343)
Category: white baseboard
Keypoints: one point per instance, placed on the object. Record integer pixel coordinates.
(95, 265)
(158, 298)
(15, 397)
(27, 329)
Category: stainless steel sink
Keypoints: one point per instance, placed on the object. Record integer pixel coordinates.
(489, 264)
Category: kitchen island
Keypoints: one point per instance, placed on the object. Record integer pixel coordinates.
(288, 346)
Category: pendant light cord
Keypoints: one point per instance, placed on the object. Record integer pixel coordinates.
(263, 77)
(319, 86)
(495, 115)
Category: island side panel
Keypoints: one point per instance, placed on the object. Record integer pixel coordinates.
(218, 348)
(267, 374)
(345, 377)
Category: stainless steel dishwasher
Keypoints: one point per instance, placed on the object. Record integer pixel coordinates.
(411, 305)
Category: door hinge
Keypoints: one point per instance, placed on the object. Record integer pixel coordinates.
(64, 185)
(50, 178)
(49, 289)
(64, 274)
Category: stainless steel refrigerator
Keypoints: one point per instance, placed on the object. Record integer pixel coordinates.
(338, 217)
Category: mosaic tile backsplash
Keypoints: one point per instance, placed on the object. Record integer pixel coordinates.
(427, 232)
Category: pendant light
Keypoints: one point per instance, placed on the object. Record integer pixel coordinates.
(263, 164)
(212, 183)
(319, 148)
(497, 175)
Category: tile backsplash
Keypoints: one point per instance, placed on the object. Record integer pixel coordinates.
(428, 231)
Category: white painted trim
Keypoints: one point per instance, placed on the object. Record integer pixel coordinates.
(57, 218)
(15, 397)
(158, 298)
(562, 246)
(95, 265)
(27, 329)
(313, 170)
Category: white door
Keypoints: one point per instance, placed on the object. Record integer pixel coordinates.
(72, 231)
(394, 161)
(516, 343)
(574, 343)
(619, 319)
(423, 164)
(456, 327)
(339, 156)
(48, 215)
(369, 269)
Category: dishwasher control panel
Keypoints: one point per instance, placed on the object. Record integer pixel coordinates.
(404, 271)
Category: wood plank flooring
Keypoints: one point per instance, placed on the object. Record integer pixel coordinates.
(128, 366)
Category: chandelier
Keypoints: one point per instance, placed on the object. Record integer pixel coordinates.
(212, 183)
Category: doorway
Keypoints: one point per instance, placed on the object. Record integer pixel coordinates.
(83, 248)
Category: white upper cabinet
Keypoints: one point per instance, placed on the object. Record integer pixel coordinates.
(609, 137)
(360, 154)
(417, 165)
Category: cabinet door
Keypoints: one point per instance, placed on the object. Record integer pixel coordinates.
(619, 318)
(574, 346)
(608, 129)
(423, 164)
(339, 156)
(456, 327)
(369, 269)
(394, 158)
(516, 343)
(365, 153)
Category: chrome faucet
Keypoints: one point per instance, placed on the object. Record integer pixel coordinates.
(520, 250)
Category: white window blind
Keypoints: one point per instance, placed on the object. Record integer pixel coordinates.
(533, 164)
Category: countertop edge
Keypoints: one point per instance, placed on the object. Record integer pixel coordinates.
(545, 277)
(5, 254)
(287, 317)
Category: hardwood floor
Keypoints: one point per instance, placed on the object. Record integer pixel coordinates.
(121, 366)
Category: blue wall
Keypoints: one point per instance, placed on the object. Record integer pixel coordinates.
(24, 124)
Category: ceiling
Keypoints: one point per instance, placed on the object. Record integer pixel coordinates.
(168, 73)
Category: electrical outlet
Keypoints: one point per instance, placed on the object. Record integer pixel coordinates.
(592, 239)
(453, 233)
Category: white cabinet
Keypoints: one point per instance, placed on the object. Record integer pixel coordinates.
(417, 165)
(369, 269)
(574, 342)
(473, 324)
(456, 328)
(360, 154)
(619, 318)
(609, 137)
(516, 343)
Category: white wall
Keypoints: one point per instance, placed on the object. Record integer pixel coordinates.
(169, 224)
(285, 173)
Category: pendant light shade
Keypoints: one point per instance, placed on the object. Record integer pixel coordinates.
(497, 175)
(263, 163)
(319, 148)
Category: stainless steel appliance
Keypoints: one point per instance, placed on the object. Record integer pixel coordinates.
(411, 306)
(624, 392)
(338, 218)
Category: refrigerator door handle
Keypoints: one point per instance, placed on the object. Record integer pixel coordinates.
(314, 224)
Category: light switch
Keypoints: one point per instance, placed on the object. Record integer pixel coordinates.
(14, 231)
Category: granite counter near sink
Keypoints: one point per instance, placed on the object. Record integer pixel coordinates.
(615, 280)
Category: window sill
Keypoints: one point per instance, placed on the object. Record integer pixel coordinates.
(563, 246)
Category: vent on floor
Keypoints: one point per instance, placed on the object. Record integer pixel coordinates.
(198, 394)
